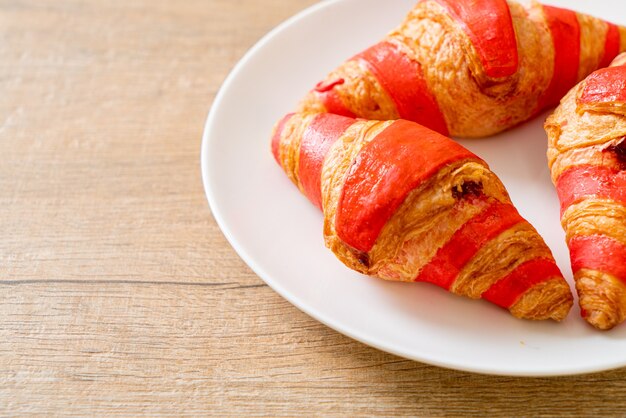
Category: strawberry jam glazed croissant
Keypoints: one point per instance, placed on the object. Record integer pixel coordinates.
(402, 202)
(587, 157)
(470, 68)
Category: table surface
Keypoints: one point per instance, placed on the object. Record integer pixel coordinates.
(119, 293)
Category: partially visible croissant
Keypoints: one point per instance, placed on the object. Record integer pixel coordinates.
(402, 202)
(587, 156)
(470, 68)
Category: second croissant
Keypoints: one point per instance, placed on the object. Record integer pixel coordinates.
(402, 202)
(470, 68)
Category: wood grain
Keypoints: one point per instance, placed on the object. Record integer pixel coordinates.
(119, 294)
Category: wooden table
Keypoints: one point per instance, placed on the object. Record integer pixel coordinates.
(118, 292)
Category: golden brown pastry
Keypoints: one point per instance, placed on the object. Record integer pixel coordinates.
(402, 202)
(587, 157)
(470, 68)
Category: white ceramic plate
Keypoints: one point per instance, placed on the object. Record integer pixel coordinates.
(279, 233)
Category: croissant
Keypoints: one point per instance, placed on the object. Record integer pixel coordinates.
(587, 158)
(470, 68)
(402, 202)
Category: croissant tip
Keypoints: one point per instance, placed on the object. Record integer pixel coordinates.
(560, 313)
(599, 319)
(602, 299)
(549, 300)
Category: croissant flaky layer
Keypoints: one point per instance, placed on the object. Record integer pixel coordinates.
(402, 202)
(470, 68)
(587, 158)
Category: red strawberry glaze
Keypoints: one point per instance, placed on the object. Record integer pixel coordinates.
(317, 139)
(565, 30)
(598, 252)
(385, 171)
(607, 85)
(445, 267)
(489, 25)
(508, 290)
(403, 79)
(584, 181)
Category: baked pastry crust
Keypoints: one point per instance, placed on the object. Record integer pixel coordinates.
(587, 158)
(404, 203)
(469, 69)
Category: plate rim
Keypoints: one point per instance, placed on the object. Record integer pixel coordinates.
(424, 357)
